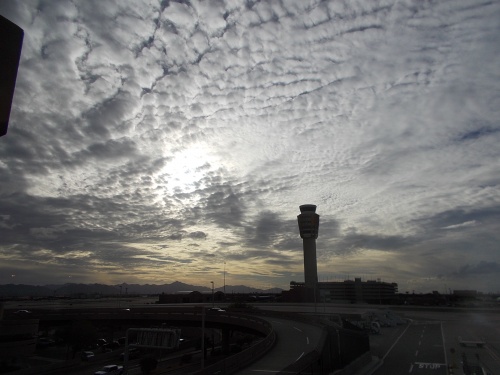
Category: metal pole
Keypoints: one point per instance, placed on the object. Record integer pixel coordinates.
(125, 355)
(202, 337)
(213, 302)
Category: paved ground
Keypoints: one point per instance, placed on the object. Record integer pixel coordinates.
(434, 339)
(294, 340)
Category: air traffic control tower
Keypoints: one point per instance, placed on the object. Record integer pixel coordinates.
(309, 226)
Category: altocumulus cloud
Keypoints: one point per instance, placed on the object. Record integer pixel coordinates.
(156, 140)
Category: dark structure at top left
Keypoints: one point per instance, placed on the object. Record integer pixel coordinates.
(11, 42)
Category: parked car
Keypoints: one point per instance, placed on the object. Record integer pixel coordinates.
(216, 309)
(44, 342)
(106, 348)
(22, 312)
(133, 353)
(110, 370)
(115, 344)
(87, 356)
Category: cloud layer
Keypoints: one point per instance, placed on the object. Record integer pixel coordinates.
(154, 141)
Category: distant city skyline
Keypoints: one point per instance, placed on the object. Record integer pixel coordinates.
(153, 141)
(7, 290)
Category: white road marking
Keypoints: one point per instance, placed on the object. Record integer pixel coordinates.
(307, 340)
(297, 329)
(432, 366)
(492, 353)
(444, 343)
(395, 342)
(300, 356)
(416, 353)
(411, 368)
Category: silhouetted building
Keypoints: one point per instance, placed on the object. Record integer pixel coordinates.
(308, 221)
(347, 291)
(357, 291)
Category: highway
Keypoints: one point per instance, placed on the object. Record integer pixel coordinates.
(418, 350)
(294, 340)
(429, 345)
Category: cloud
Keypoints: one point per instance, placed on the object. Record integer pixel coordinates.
(483, 267)
(461, 225)
(179, 134)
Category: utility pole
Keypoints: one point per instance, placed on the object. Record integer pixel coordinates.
(213, 302)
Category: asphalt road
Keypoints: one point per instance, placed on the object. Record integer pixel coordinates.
(419, 349)
(294, 340)
(431, 343)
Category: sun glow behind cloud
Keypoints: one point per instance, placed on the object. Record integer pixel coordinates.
(186, 170)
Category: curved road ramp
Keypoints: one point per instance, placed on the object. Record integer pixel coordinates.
(291, 343)
(296, 344)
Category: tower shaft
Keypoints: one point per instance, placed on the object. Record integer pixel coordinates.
(310, 264)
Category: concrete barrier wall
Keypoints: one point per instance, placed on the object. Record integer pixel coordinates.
(246, 357)
(356, 365)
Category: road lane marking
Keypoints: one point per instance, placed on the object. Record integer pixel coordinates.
(432, 366)
(411, 368)
(444, 343)
(297, 329)
(416, 353)
(274, 371)
(492, 353)
(307, 340)
(395, 342)
(300, 356)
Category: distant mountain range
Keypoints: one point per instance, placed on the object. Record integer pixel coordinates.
(21, 290)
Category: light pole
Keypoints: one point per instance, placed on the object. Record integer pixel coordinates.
(120, 296)
(202, 337)
(213, 303)
(224, 279)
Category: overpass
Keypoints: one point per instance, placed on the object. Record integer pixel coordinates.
(289, 342)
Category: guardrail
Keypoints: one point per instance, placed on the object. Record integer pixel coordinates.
(176, 313)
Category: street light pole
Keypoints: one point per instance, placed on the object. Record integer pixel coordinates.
(213, 302)
(202, 337)
(224, 279)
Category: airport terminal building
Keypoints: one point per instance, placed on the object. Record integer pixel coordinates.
(347, 291)
(357, 291)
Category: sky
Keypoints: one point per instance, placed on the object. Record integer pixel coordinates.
(160, 141)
